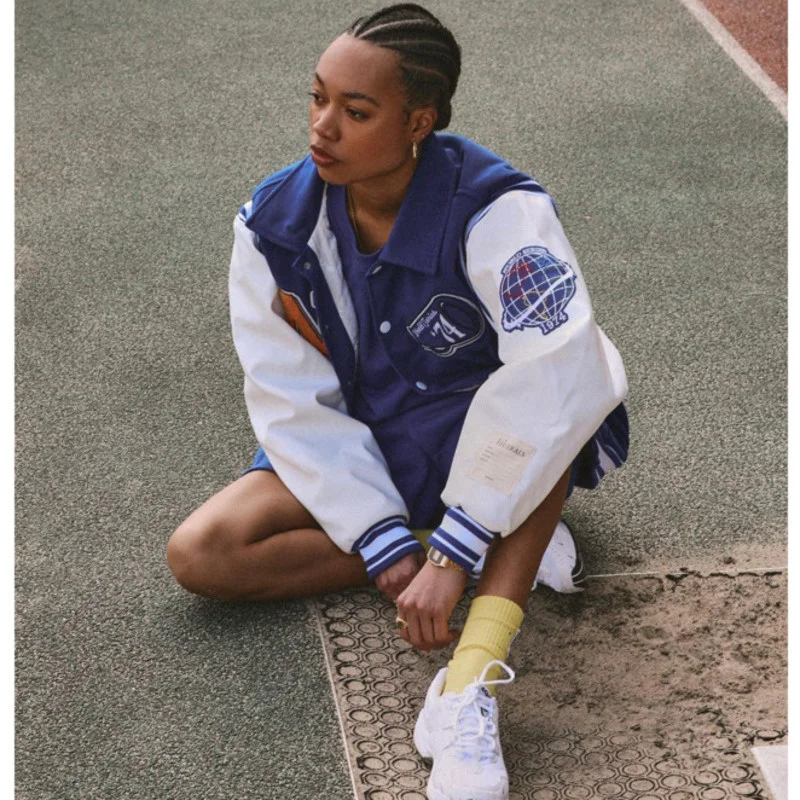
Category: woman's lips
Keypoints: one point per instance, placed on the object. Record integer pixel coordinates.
(320, 158)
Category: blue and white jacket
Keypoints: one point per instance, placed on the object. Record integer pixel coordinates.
(477, 286)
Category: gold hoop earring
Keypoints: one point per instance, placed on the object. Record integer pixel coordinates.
(414, 150)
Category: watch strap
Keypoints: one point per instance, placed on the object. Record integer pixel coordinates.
(439, 559)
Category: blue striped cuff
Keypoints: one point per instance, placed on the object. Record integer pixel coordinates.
(461, 539)
(384, 543)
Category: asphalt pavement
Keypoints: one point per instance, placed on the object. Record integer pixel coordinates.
(141, 128)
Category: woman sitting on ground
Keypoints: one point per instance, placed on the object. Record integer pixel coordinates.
(419, 351)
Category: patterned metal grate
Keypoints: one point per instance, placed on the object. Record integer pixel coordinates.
(381, 682)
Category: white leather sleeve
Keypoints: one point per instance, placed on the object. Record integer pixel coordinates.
(329, 461)
(530, 419)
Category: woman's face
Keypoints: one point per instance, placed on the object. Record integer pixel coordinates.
(357, 114)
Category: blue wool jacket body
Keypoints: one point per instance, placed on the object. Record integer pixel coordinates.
(470, 286)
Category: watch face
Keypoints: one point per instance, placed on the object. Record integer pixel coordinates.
(439, 559)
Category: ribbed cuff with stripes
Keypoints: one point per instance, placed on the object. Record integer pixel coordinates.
(461, 539)
(384, 543)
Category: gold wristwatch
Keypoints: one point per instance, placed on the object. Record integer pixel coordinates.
(439, 559)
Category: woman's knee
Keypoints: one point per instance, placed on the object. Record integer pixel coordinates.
(211, 552)
(197, 554)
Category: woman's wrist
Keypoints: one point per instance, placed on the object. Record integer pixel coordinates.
(384, 544)
(461, 539)
(441, 560)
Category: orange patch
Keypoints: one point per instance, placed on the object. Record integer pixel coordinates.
(296, 317)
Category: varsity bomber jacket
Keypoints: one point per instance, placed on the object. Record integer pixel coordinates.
(476, 286)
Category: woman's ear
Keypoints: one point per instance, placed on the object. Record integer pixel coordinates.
(422, 121)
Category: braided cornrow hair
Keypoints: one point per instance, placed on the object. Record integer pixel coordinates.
(430, 58)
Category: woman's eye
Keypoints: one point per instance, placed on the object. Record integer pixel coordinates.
(354, 113)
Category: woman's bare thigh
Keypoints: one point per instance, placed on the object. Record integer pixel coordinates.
(253, 507)
(219, 545)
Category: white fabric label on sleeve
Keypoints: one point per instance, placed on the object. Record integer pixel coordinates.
(501, 462)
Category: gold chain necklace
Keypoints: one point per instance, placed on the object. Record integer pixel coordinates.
(351, 206)
(351, 209)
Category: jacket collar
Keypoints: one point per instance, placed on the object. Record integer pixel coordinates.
(418, 231)
(286, 209)
(286, 205)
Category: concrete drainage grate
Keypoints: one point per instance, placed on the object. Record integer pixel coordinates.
(381, 681)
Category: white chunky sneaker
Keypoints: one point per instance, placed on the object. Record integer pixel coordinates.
(460, 733)
(561, 568)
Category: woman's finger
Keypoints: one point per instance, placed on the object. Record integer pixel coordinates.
(440, 631)
(386, 587)
(426, 626)
(413, 630)
(452, 635)
(406, 577)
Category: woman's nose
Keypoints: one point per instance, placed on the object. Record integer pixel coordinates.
(324, 124)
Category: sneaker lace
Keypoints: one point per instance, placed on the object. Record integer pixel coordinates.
(475, 725)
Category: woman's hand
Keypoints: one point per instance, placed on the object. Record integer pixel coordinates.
(426, 605)
(395, 578)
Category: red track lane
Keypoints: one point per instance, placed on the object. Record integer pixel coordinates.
(760, 27)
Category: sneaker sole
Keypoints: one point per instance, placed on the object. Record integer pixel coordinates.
(422, 744)
(421, 739)
(578, 576)
(423, 748)
(435, 793)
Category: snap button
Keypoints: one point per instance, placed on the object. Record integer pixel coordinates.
(421, 385)
(307, 265)
(386, 326)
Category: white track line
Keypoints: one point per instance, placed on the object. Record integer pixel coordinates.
(701, 573)
(314, 606)
(743, 59)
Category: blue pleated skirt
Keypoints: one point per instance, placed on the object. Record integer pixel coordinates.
(605, 451)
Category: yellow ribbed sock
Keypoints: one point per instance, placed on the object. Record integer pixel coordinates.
(491, 625)
(421, 535)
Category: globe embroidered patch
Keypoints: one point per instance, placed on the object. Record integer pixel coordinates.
(535, 288)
